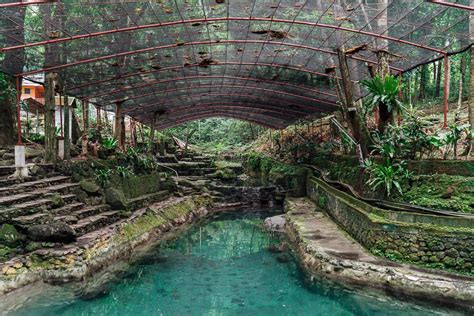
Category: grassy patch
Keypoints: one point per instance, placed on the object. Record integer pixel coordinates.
(442, 192)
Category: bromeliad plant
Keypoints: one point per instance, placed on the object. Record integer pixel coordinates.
(382, 92)
(387, 176)
(102, 176)
(109, 143)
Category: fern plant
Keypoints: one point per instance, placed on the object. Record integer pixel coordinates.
(382, 92)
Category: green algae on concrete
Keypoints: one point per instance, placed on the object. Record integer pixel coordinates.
(385, 234)
(327, 251)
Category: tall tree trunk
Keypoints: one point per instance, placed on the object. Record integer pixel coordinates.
(13, 63)
(49, 125)
(119, 124)
(438, 78)
(471, 86)
(383, 69)
(67, 127)
(462, 68)
(350, 111)
(423, 82)
(85, 126)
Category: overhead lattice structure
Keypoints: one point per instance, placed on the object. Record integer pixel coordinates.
(266, 62)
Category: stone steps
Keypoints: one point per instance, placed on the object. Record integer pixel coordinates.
(33, 219)
(144, 200)
(67, 209)
(31, 206)
(38, 193)
(90, 211)
(82, 213)
(91, 223)
(31, 185)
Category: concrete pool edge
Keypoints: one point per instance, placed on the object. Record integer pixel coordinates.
(322, 250)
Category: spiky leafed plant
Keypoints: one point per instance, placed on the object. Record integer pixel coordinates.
(383, 93)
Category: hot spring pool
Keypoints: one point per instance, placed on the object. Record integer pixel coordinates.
(221, 267)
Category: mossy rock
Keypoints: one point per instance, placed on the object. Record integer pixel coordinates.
(226, 174)
(80, 195)
(169, 185)
(5, 252)
(9, 236)
(89, 187)
(56, 200)
(116, 199)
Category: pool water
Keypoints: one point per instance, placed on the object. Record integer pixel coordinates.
(221, 267)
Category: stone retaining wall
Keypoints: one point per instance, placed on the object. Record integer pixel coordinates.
(99, 249)
(424, 243)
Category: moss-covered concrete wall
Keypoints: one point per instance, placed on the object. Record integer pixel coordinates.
(136, 185)
(418, 167)
(428, 243)
(268, 170)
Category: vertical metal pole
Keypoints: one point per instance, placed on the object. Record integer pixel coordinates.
(18, 108)
(446, 83)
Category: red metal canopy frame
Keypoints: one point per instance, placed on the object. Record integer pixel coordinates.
(312, 44)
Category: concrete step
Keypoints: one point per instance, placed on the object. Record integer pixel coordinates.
(7, 170)
(31, 207)
(35, 194)
(91, 223)
(67, 219)
(147, 199)
(91, 211)
(68, 209)
(33, 219)
(32, 185)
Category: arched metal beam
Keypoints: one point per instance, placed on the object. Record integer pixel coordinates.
(219, 42)
(224, 115)
(257, 118)
(233, 105)
(273, 115)
(223, 19)
(91, 83)
(251, 96)
(452, 5)
(174, 79)
(217, 86)
(26, 3)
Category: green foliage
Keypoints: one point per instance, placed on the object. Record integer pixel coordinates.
(123, 172)
(57, 131)
(102, 176)
(451, 138)
(382, 92)
(6, 90)
(387, 175)
(217, 135)
(37, 138)
(136, 161)
(441, 192)
(109, 143)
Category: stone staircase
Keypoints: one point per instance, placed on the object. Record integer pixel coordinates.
(51, 199)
